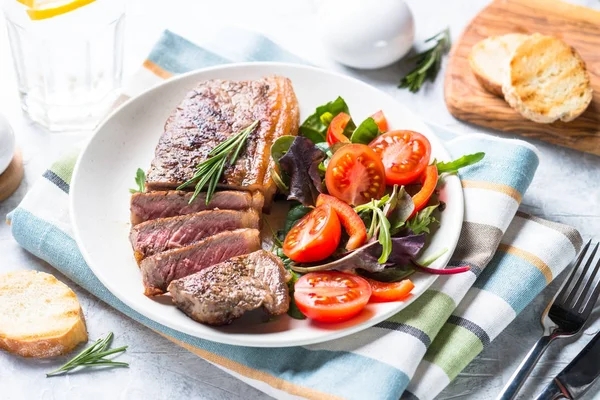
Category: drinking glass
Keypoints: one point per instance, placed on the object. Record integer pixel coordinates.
(68, 67)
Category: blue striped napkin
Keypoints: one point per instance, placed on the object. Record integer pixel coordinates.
(414, 354)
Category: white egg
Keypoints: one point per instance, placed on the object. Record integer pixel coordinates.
(7, 144)
(366, 34)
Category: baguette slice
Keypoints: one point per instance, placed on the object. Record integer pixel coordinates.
(39, 315)
(489, 59)
(547, 80)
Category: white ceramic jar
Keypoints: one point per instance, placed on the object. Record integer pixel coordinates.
(366, 34)
(7, 144)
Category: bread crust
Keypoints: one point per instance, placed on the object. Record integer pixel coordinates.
(490, 57)
(547, 80)
(56, 330)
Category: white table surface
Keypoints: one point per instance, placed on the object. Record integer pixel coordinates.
(565, 189)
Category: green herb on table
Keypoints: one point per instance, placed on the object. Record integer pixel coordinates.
(429, 62)
(464, 161)
(93, 356)
(140, 180)
(210, 170)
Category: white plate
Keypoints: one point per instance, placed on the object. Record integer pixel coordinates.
(126, 140)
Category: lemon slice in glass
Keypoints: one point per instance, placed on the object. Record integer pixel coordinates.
(42, 9)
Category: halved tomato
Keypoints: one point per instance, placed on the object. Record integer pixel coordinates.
(429, 182)
(404, 154)
(331, 296)
(335, 131)
(383, 292)
(355, 175)
(381, 121)
(349, 218)
(315, 237)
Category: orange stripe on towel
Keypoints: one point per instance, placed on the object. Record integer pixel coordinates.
(156, 70)
(530, 258)
(248, 372)
(496, 187)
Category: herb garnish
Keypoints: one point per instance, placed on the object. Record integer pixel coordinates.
(464, 161)
(93, 356)
(210, 170)
(429, 62)
(140, 180)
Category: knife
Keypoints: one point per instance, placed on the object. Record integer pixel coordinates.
(578, 376)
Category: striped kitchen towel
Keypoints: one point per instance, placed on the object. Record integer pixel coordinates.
(414, 354)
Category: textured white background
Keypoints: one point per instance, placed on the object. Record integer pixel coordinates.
(565, 189)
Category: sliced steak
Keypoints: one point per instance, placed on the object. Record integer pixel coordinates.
(158, 235)
(154, 205)
(214, 111)
(160, 269)
(219, 294)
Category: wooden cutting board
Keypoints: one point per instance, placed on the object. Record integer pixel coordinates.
(578, 26)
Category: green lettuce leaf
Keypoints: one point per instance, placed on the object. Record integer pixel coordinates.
(315, 126)
(464, 161)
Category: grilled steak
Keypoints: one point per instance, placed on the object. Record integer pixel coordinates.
(212, 112)
(219, 294)
(154, 205)
(158, 235)
(160, 269)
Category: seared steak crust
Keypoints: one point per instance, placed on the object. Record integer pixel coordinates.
(154, 205)
(223, 292)
(162, 268)
(158, 235)
(212, 112)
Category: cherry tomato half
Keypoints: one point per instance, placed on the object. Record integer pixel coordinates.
(429, 182)
(383, 292)
(404, 154)
(331, 296)
(315, 237)
(381, 121)
(355, 175)
(335, 131)
(349, 218)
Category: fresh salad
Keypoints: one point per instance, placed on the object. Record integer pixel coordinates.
(364, 201)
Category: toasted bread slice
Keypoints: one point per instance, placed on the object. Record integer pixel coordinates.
(39, 315)
(489, 59)
(547, 80)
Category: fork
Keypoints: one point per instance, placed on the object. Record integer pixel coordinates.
(564, 317)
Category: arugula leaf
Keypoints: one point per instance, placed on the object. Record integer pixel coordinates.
(301, 164)
(464, 161)
(140, 180)
(402, 210)
(294, 311)
(314, 127)
(366, 132)
(421, 222)
(379, 225)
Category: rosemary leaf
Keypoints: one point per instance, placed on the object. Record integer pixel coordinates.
(210, 170)
(429, 62)
(93, 356)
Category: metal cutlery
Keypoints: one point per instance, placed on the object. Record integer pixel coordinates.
(564, 317)
(578, 376)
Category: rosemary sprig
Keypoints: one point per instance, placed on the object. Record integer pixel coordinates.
(93, 356)
(210, 170)
(429, 62)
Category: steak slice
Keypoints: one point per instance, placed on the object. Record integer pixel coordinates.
(214, 111)
(154, 205)
(158, 235)
(219, 294)
(160, 269)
